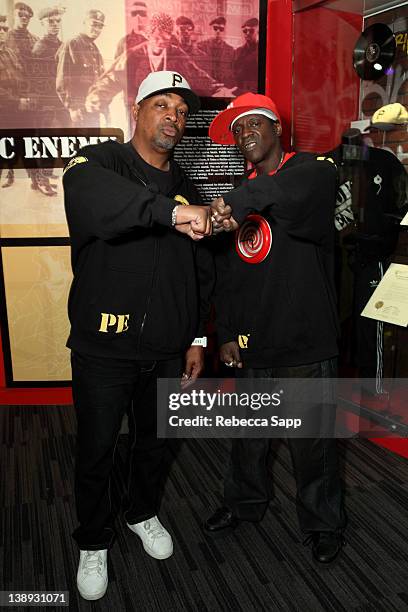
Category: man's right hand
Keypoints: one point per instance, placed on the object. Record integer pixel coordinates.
(194, 221)
(230, 355)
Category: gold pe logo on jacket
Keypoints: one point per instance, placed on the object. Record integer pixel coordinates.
(182, 200)
(243, 341)
(114, 323)
(74, 161)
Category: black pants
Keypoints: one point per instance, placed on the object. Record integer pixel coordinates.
(104, 390)
(319, 499)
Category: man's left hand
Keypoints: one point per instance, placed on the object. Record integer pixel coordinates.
(221, 216)
(194, 365)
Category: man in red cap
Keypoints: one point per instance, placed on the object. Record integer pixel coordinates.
(277, 319)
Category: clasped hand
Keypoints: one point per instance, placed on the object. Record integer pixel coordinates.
(200, 221)
(221, 217)
(194, 221)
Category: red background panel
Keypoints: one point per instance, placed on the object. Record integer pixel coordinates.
(279, 50)
(325, 85)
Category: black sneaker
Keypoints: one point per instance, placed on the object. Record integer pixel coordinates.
(326, 545)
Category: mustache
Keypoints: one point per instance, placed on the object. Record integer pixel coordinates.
(245, 141)
(170, 124)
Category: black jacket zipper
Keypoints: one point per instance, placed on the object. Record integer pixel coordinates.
(155, 258)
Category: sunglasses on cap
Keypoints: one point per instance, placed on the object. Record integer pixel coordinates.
(4, 28)
(217, 28)
(247, 30)
(141, 13)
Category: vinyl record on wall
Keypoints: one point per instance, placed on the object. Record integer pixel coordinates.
(374, 52)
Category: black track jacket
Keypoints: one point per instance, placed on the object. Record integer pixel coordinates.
(141, 289)
(282, 311)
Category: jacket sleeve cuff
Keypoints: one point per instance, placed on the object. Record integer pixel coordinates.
(162, 210)
(235, 199)
(254, 196)
(201, 328)
(225, 335)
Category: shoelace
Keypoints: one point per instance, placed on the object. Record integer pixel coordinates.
(154, 529)
(92, 563)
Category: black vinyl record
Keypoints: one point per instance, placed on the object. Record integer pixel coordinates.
(374, 52)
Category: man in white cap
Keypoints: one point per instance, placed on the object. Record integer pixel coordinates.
(277, 316)
(138, 304)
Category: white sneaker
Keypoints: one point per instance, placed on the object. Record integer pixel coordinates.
(92, 576)
(156, 539)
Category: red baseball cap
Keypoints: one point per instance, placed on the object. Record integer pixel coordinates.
(219, 130)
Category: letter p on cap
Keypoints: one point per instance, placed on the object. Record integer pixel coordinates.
(177, 78)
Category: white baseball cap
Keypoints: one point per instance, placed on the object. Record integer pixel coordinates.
(168, 81)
